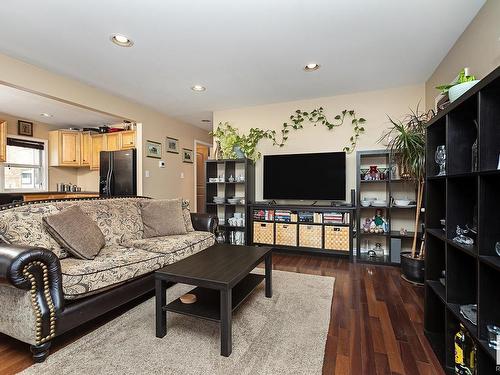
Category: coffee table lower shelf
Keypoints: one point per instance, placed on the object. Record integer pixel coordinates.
(207, 305)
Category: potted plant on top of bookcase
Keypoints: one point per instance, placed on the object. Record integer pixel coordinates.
(406, 143)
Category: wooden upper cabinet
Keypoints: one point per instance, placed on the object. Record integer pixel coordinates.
(113, 141)
(3, 141)
(97, 145)
(128, 139)
(86, 149)
(64, 148)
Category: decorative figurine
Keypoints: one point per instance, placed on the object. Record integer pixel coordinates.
(380, 223)
(366, 225)
(462, 238)
(403, 231)
(440, 158)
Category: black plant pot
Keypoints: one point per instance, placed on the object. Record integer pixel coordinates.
(412, 269)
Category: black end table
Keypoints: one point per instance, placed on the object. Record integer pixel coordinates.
(222, 274)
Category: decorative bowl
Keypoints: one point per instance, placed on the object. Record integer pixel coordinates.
(458, 90)
(366, 203)
(402, 202)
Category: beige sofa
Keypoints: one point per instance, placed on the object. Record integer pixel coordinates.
(44, 292)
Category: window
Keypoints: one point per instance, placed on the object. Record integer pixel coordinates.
(25, 168)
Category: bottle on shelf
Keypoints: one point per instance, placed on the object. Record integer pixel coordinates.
(465, 353)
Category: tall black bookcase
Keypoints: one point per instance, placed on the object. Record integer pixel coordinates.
(229, 170)
(387, 189)
(465, 195)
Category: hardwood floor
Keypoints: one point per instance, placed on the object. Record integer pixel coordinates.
(376, 324)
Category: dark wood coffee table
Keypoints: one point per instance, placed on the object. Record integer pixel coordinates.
(222, 274)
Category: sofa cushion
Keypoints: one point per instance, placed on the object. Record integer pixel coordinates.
(76, 232)
(114, 265)
(23, 225)
(119, 219)
(186, 212)
(176, 246)
(162, 217)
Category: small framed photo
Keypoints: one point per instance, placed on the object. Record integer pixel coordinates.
(25, 128)
(172, 145)
(153, 149)
(187, 155)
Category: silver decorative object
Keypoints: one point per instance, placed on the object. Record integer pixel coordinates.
(440, 158)
(497, 248)
(462, 238)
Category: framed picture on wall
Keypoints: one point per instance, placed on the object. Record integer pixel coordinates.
(172, 145)
(25, 128)
(187, 155)
(153, 149)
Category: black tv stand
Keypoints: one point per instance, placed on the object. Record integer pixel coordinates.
(307, 229)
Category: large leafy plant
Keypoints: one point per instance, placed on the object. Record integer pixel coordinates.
(406, 143)
(462, 78)
(229, 137)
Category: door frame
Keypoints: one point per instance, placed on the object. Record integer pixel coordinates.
(210, 146)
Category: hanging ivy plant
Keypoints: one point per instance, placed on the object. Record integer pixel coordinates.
(229, 138)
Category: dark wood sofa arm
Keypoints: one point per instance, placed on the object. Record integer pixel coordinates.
(37, 270)
(204, 222)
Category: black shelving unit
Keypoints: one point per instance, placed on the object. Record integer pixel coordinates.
(389, 186)
(324, 247)
(464, 196)
(226, 168)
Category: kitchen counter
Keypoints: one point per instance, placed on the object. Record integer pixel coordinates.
(43, 195)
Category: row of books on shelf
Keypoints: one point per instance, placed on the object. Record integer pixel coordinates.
(288, 216)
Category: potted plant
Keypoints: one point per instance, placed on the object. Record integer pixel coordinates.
(406, 143)
(459, 86)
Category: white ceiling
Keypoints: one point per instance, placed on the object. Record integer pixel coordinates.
(246, 52)
(29, 106)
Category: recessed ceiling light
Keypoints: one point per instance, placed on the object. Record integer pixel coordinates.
(121, 40)
(205, 120)
(198, 88)
(45, 114)
(311, 67)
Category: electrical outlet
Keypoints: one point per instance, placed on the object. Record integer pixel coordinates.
(182, 174)
(147, 174)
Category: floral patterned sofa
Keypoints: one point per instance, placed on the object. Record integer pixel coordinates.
(44, 292)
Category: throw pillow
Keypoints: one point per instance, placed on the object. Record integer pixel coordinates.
(186, 212)
(76, 232)
(162, 217)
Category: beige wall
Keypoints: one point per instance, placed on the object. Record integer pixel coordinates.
(374, 106)
(41, 131)
(163, 183)
(477, 48)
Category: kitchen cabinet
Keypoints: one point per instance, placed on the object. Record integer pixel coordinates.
(69, 148)
(86, 149)
(64, 148)
(97, 145)
(3, 141)
(127, 139)
(56, 195)
(113, 141)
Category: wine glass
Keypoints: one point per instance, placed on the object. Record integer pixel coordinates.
(440, 158)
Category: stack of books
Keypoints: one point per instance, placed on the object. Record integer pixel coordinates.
(317, 218)
(267, 215)
(336, 217)
(306, 217)
(283, 216)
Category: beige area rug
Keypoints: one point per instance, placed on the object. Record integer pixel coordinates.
(282, 335)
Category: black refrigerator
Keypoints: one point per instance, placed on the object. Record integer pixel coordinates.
(118, 173)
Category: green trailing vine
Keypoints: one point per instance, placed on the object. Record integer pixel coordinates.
(229, 138)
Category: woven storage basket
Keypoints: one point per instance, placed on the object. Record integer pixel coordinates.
(337, 238)
(286, 234)
(263, 233)
(310, 236)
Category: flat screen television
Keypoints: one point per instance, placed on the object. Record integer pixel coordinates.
(319, 176)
